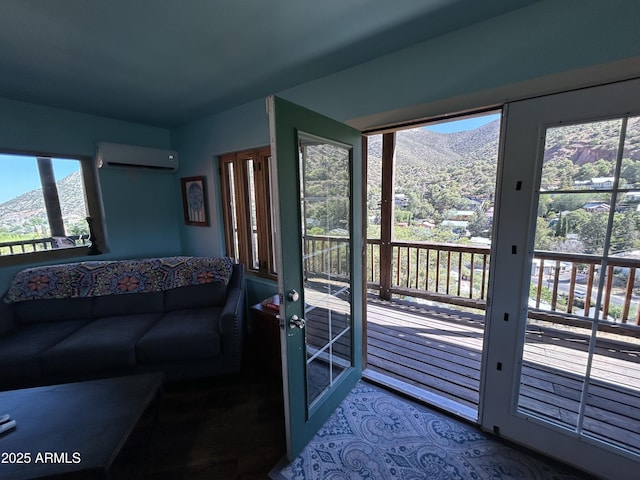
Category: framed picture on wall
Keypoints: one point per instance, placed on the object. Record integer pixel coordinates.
(194, 201)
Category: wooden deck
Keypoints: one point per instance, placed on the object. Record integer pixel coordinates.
(435, 354)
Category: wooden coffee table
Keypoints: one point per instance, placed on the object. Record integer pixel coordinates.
(73, 427)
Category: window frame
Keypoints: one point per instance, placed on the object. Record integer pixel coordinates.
(93, 203)
(237, 205)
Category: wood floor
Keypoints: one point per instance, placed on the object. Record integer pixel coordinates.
(437, 353)
(229, 428)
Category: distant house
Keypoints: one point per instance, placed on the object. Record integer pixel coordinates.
(470, 203)
(602, 182)
(457, 226)
(481, 241)
(596, 207)
(632, 197)
(426, 223)
(596, 183)
(460, 215)
(549, 268)
(401, 200)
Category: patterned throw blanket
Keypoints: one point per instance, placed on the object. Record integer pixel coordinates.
(96, 278)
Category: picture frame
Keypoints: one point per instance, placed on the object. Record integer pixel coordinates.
(194, 201)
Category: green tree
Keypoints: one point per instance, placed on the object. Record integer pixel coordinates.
(544, 235)
(630, 171)
(604, 167)
(566, 202)
(586, 172)
(445, 197)
(561, 226)
(625, 234)
(479, 226)
(558, 174)
(592, 233)
(576, 220)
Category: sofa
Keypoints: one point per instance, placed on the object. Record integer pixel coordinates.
(183, 316)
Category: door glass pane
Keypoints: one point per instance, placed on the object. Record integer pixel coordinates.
(581, 156)
(232, 210)
(580, 366)
(326, 232)
(253, 218)
(611, 412)
(271, 214)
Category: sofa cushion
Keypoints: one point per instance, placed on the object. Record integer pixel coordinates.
(53, 310)
(7, 318)
(20, 350)
(127, 304)
(102, 345)
(195, 296)
(182, 335)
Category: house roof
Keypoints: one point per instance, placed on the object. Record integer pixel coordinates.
(166, 63)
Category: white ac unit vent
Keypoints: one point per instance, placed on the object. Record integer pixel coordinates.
(133, 156)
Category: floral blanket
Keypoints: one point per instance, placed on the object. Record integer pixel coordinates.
(97, 278)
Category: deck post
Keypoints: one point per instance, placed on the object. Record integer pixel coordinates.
(387, 213)
(51, 199)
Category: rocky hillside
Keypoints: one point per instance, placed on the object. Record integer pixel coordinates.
(23, 214)
(588, 143)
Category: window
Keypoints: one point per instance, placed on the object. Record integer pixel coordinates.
(246, 196)
(46, 208)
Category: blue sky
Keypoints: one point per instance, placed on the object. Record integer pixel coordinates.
(19, 174)
(461, 125)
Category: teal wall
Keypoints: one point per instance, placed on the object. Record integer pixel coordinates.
(141, 208)
(545, 38)
(199, 145)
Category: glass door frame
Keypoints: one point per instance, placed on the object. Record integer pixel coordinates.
(520, 169)
(287, 122)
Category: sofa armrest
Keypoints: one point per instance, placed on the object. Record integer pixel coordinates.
(233, 315)
(7, 320)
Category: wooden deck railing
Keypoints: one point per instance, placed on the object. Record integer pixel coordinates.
(39, 244)
(572, 279)
(457, 274)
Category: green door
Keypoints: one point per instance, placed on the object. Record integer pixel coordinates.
(318, 190)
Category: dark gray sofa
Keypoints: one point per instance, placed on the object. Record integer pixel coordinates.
(170, 314)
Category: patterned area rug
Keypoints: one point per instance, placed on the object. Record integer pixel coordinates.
(377, 435)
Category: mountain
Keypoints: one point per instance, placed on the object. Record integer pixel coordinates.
(22, 213)
(438, 168)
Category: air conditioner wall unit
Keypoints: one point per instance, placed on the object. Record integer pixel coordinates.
(119, 155)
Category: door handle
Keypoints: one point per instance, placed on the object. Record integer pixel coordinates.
(294, 296)
(296, 322)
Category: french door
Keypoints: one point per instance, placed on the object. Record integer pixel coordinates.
(562, 363)
(317, 164)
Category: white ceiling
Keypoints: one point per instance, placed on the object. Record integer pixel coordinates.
(167, 62)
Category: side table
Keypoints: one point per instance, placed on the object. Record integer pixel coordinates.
(265, 335)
